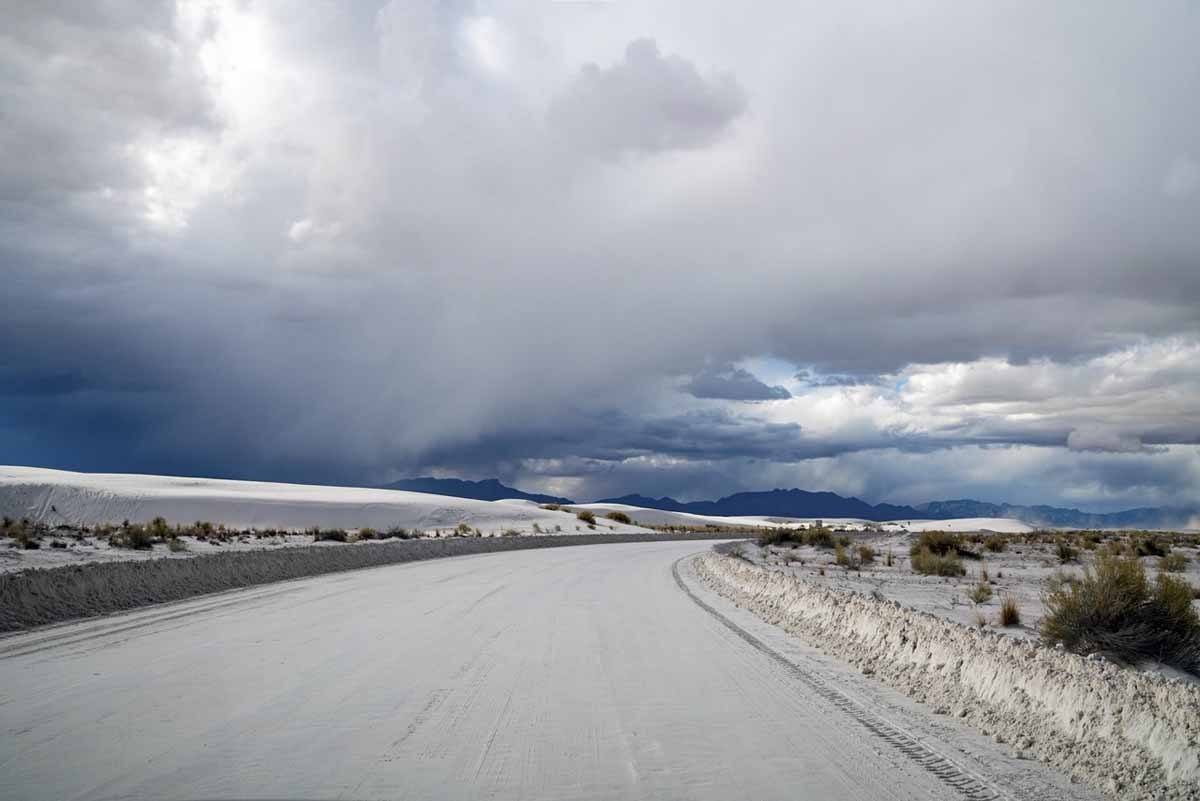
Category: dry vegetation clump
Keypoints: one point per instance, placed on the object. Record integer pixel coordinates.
(1115, 610)
(981, 593)
(1150, 546)
(928, 563)
(176, 545)
(995, 543)
(619, 517)
(1173, 563)
(133, 536)
(1010, 612)
(551, 507)
(936, 553)
(25, 535)
(587, 516)
(1065, 552)
(866, 554)
(816, 537)
(328, 535)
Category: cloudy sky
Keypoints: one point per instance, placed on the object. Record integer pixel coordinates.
(903, 250)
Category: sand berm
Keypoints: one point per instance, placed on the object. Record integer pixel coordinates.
(1130, 734)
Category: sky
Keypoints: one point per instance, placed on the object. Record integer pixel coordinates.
(906, 251)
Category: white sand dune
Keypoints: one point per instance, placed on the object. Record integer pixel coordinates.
(59, 496)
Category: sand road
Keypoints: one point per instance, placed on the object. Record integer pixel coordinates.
(587, 672)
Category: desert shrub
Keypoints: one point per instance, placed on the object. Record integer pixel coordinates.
(1065, 552)
(929, 563)
(840, 557)
(328, 535)
(889, 559)
(1010, 613)
(201, 530)
(1173, 563)
(23, 535)
(866, 554)
(620, 517)
(819, 537)
(366, 533)
(980, 619)
(995, 544)
(551, 507)
(133, 536)
(512, 532)
(774, 536)
(176, 545)
(462, 530)
(399, 532)
(937, 542)
(1113, 609)
(981, 593)
(1151, 546)
(586, 516)
(158, 529)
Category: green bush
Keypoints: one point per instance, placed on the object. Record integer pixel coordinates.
(928, 563)
(1113, 609)
(620, 517)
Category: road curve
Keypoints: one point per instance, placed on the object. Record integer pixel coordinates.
(571, 673)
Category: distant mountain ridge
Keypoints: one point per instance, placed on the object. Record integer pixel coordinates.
(802, 503)
(489, 489)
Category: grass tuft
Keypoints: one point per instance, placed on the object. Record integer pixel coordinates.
(1010, 612)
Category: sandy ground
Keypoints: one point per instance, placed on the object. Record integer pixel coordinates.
(1020, 571)
(573, 673)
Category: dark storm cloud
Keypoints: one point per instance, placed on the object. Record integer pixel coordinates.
(732, 383)
(346, 242)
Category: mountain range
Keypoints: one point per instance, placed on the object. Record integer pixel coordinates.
(802, 503)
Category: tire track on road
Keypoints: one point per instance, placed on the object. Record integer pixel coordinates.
(959, 778)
